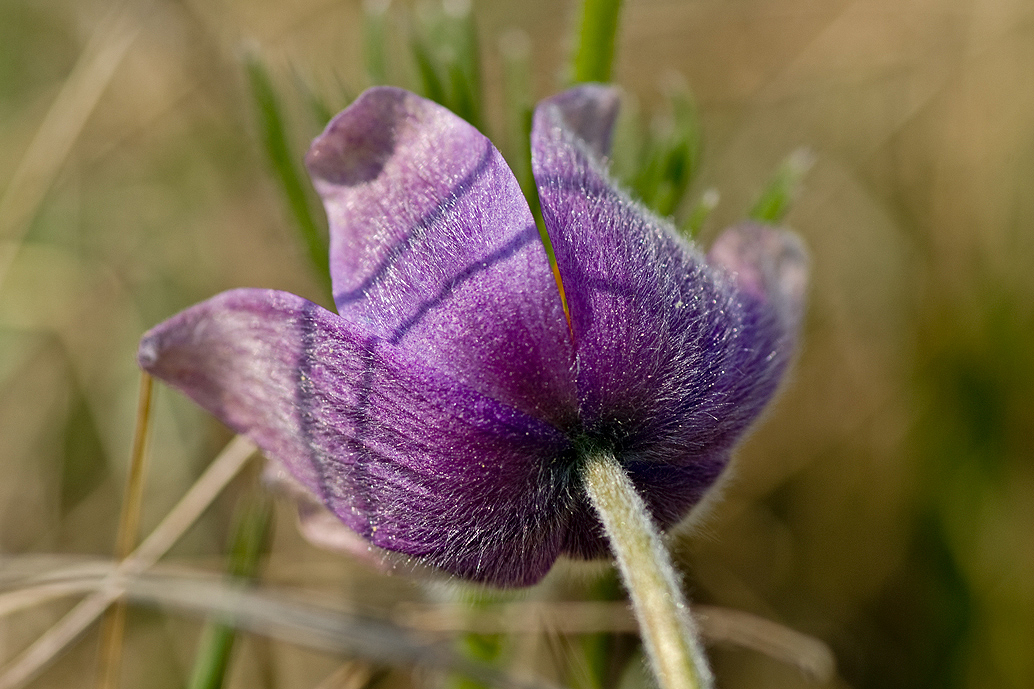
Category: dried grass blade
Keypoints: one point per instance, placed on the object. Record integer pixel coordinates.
(113, 626)
(61, 127)
(24, 667)
(808, 654)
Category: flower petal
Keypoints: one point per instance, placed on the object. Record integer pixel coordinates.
(675, 357)
(316, 523)
(411, 460)
(769, 264)
(433, 248)
(589, 113)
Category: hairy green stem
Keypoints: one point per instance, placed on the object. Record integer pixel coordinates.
(668, 632)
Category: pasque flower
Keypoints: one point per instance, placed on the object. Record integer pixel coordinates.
(444, 411)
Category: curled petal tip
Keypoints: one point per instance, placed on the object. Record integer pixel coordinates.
(768, 263)
(589, 111)
(147, 354)
(358, 142)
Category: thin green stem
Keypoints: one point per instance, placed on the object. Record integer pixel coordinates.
(668, 631)
(594, 54)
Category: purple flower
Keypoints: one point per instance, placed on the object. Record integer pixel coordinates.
(444, 411)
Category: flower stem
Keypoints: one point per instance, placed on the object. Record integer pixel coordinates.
(669, 634)
(594, 54)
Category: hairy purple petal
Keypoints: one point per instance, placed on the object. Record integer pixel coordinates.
(433, 248)
(675, 357)
(408, 458)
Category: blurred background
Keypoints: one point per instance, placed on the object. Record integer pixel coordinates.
(884, 505)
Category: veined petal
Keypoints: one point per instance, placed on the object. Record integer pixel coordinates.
(433, 248)
(410, 459)
(675, 357)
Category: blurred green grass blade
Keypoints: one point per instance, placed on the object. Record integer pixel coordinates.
(667, 197)
(250, 534)
(775, 201)
(83, 463)
(213, 656)
(646, 181)
(464, 101)
(316, 626)
(431, 83)
(274, 140)
(700, 212)
(318, 106)
(683, 151)
(515, 51)
(445, 50)
(483, 649)
(629, 142)
(248, 542)
(321, 112)
(375, 37)
(599, 649)
(468, 92)
(594, 54)
(671, 155)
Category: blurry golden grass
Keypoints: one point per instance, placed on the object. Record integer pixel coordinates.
(886, 504)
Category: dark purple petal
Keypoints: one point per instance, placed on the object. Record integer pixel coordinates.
(675, 357)
(433, 248)
(410, 459)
